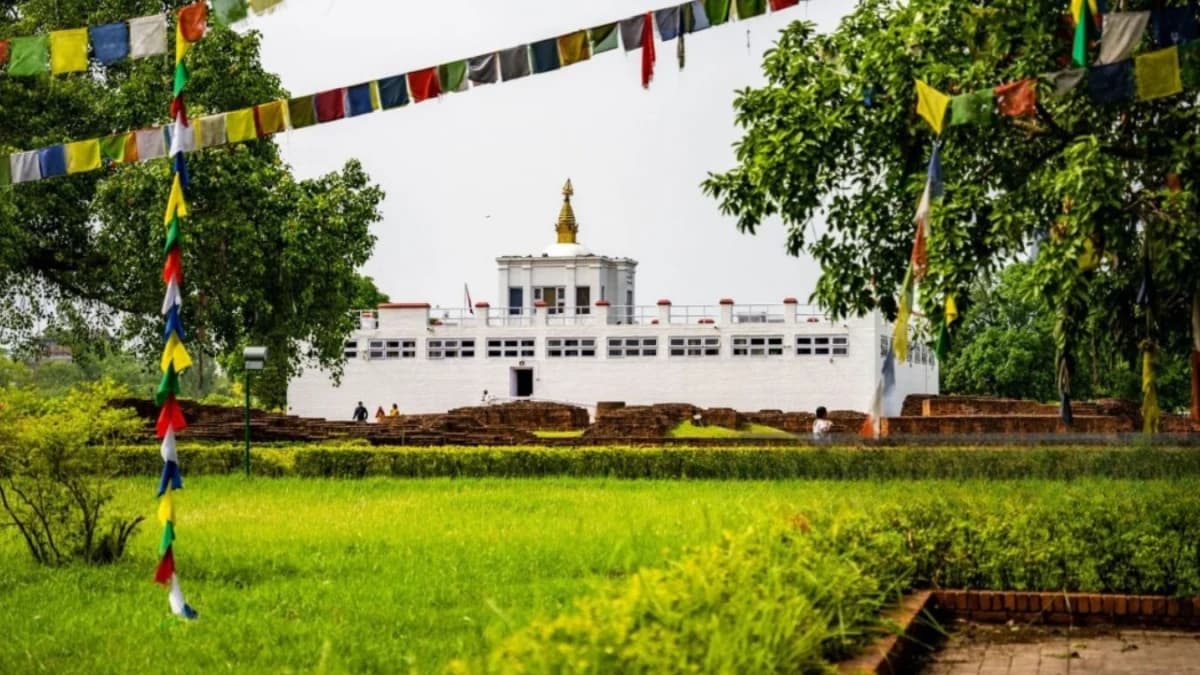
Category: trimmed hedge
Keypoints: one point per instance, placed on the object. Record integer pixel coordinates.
(836, 463)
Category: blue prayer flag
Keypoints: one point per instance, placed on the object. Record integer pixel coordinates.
(53, 161)
(393, 91)
(545, 55)
(359, 98)
(110, 42)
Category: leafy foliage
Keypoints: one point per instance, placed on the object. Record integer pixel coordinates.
(55, 473)
(268, 259)
(833, 138)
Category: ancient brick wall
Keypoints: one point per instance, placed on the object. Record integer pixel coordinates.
(530, 416)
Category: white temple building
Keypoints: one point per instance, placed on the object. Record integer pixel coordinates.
(571, 332)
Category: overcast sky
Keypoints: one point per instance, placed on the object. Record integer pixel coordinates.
(478, 174)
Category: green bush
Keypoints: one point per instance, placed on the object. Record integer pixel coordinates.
(799, 594)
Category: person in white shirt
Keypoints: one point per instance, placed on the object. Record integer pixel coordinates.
(821, 426)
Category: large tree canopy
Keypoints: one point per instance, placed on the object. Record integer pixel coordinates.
(834, 138)
(267, 258)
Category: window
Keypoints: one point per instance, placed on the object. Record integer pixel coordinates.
(583, 300)
(392, 349)
(451, 348)
(885, 344)
(822, 345)
(766, 345)
(566, 347)
(510, 348)
(696, 346)
(555, 297)
(350, 349)
(629, 347)
(516, 299)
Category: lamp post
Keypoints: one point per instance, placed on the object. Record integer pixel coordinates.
(255, 359)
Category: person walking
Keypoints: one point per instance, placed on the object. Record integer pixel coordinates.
(360, 413)
(821, 425)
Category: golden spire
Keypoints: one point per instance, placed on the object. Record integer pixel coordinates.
(567, 228)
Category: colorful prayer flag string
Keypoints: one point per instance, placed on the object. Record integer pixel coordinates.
(191, 23)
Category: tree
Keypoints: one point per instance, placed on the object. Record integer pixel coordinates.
(834, 136)
(268, 259)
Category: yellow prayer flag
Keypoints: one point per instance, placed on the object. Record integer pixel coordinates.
(951, 310)
(1077, 5)
(181, 44)
(175, 353)
(69, 50)
(271, 117)
(375, 102)
(932, 104)
(239, 126)
(573, 48)
(1157, 74)
(83, 156)
(166, 508)
(176, 206)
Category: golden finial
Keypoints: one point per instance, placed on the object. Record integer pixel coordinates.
(567, 228)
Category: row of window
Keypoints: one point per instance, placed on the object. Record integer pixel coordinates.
(618, 347)
(918, 353)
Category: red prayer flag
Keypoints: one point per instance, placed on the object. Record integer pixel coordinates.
(170, 417)
(777, 5)
(1017, 99)
(173, 267)
(331, 105)
(424, 84)
(193, 21)
(920, 254)
(179, 110)
(648, 55)
(3, 52)
(166, 568)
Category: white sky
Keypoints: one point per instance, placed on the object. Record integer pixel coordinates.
(477, 174)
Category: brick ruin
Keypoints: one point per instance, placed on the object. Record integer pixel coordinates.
(515, 423)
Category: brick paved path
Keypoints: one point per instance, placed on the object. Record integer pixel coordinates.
(1003, 650)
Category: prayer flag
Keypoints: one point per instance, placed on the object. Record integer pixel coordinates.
(1017, 99)
(452, 76)
(632, 30)
(150, 143)
(69, 51)
(1157, 74)
(694, 17)
(573, 48)
(166, 509)
(931, 105)
(210, 131)
(173, 324)
(110, 42)
(165, 571)
(777, 5)
(263, 6)
(5, 171)
(148, 36)
(269, 118)
(359, 100)
(933, 174)
(331, 105)
(1079, 11)
(424, 84)
(4, 50)
(668, 21)
(483, 69)
(951, 313)
(514, 62)
(168, 451)
(179, 606)
(172, 298)
(393, 92)
(180, 138)
(175, 354)
(167, 538)
(239, 126)
(544, 54)
(131, 147)
(170, 418)
(29, 56)
(53, 161)
(603, 38)
(1064, 82)
(1111, 83)
(174, 238)
(749, 8)
(900, 334)
(83, 156)
(193, 21)
(301, 112)
(976, 107)
(717, 11)
(25, 167)
(176, 205)
(170, 477)
(229, 11)
(648, 53)
(1174, 25)
(1122, 32)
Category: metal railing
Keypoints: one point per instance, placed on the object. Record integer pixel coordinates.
(638, 315)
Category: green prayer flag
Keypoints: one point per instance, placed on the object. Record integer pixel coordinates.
(167, 386)
(229, 11)
(717, 10)
(749, 8)
(5, 171)
(603, 38)
(302, 112)
(174, 236)
(168, 538)
(1079, 53)
(453, 76)
(181, 78)
(112, 148)
(943, 343)
(29, 55)
(976, 107)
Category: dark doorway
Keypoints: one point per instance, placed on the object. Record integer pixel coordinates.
(522, 382)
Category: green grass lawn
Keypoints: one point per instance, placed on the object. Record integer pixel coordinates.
(573, 433)
(688, 430)
(381, 575)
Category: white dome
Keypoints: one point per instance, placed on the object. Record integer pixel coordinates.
(566, 251)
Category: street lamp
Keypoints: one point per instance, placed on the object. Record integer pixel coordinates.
(255, 359)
